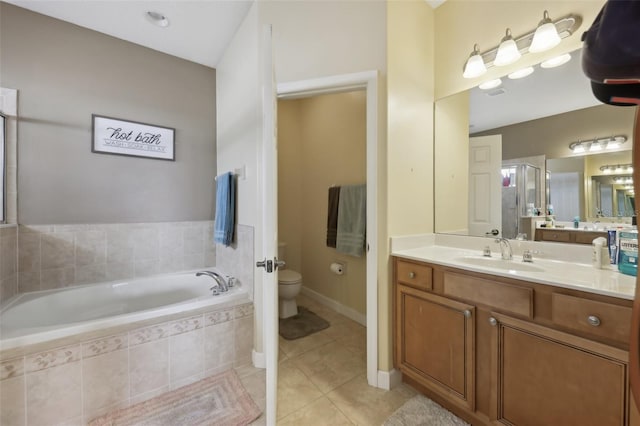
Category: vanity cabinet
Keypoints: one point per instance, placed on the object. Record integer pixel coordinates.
(564, 235)
(546, 377)
(427, 322)
(497, 350)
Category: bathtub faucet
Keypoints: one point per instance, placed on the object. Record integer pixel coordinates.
(219, 279)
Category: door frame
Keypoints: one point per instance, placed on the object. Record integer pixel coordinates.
(368, 81)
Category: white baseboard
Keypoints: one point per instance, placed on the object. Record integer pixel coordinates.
(336, 306)
(258, 359)
(389, 379)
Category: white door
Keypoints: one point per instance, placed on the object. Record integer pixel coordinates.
(270, 225)
(485, 185)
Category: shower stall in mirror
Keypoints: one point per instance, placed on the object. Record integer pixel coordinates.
(521, 193)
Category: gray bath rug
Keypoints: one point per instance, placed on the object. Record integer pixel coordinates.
(421, 411)
(303, 324)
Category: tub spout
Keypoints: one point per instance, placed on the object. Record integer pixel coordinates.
(221, 284)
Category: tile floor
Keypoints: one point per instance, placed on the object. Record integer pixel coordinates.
(322, 378)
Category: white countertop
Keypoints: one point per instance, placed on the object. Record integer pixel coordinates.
(559, 273)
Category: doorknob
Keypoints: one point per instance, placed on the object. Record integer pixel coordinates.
(493, 232)
(266, 264)
(278, 263)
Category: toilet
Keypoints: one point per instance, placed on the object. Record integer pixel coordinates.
(289, 285)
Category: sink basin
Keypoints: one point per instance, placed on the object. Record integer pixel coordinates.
(498, 263)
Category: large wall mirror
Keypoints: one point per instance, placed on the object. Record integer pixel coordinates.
(504, 153)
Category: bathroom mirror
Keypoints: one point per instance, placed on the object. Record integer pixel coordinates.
(533, 121)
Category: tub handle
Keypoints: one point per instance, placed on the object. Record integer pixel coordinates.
(215, 290)
(231, 281)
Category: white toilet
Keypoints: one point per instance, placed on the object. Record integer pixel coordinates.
(289, 285)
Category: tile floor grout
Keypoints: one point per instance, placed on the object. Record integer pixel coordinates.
(312, 388)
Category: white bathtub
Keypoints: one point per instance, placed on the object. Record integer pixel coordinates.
(47, 315)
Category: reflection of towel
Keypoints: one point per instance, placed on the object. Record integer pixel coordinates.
(332, 216)
(352, 220)
(224, 224)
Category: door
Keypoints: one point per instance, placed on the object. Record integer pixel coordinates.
(268, 266)
(485, 185)
(436, 343)
(542, 376)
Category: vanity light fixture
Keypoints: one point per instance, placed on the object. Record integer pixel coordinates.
(556, 62)
(623, 180)
(157, 18)
(491, 84)
(546, 36)
(617, 168)
(597, 144)
(474, 67)
(510, 49)
(521, 73)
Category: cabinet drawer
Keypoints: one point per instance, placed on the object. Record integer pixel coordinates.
(587, 237)
(501, 296)
(414, 274)
(561, 236)
(589, 316)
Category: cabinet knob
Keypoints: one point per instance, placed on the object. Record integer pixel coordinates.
(593, 320)
(412, 274)
(493, 321)
(466, 313)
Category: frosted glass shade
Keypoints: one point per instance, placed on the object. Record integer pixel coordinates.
(545, 38)
(507, 53)
(474, 67)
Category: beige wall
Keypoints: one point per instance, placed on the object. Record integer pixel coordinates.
(451, 175)
(321, 142)
(409, 153)
(460, 24)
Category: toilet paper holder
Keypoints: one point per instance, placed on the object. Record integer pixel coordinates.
(337, 268)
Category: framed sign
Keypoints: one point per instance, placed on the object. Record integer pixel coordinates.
(131, 138)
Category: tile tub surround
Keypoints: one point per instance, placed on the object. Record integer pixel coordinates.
(8, 261)
(56, 256)
(72, 384)
(238, 259)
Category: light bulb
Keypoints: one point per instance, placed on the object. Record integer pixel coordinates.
(521, 73)
(491, 84)
(474, 67)
(557, 61)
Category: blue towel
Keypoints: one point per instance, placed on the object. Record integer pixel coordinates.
(352, 220)
(224, 224)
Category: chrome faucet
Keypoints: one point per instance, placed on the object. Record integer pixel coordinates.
(219, 279)
(505, 248)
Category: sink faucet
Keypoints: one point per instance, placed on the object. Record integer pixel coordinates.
(219, 279)
(505, 248)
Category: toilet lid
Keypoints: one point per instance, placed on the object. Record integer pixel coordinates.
(287, 276)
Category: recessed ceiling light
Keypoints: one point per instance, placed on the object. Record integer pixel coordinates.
(157, 18)
(556, 62)
(490, 84)
(521, 73)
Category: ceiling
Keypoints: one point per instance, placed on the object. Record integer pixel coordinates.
(198, 31)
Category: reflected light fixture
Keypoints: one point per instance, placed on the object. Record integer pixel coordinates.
(617, 168)
(474, 67)
(557, 61)
(491, 84)
(521, 73)
(597, 144)
(157, 18)
(546, 35)
(508, 51)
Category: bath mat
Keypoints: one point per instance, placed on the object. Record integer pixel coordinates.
(216, 400)
(301, 325)
(420, 410)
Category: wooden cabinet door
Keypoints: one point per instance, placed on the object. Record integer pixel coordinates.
(542, 376)
(435, 343)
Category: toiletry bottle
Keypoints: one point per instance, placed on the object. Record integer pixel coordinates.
(597, 245)
(576, 222)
